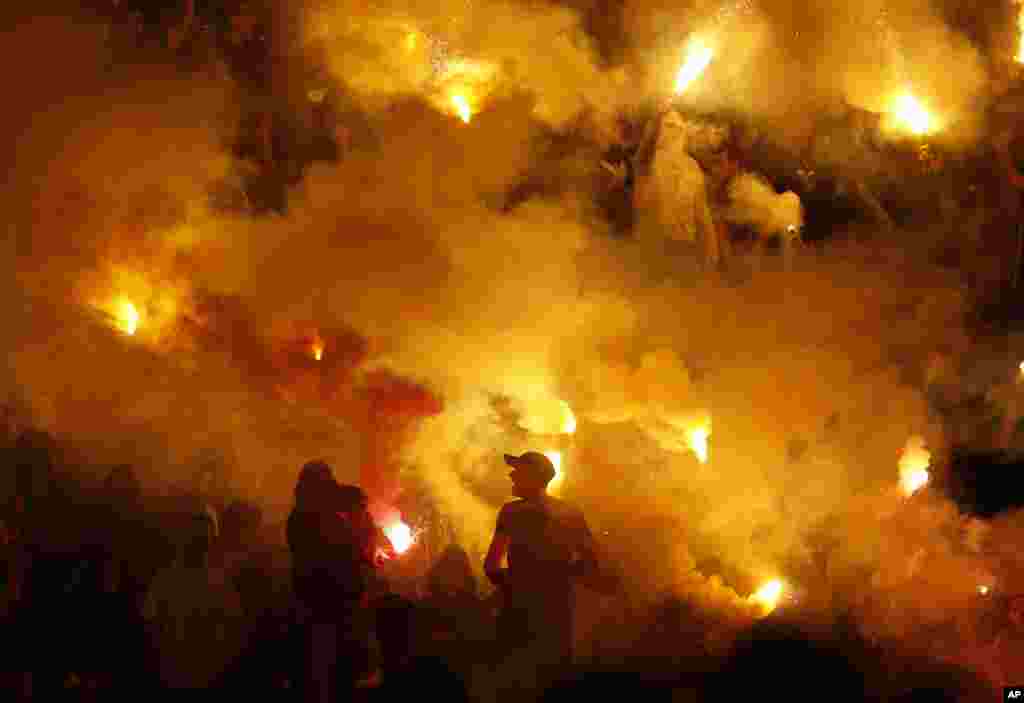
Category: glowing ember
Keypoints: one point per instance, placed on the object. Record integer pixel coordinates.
(697, 440)
(318, 349)
(912, 115)
(400, 535)
(569, 423)
(983, 590)
(914, 465)
(767, 596)
(698, 56)
(462, 108)
(127, 317)
(1021, 370)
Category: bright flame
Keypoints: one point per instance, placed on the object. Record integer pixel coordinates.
(462, 108)
(698, 56)
(556, 460)
(1021, 370)
(127, 316)
(914, 465)
(318, 349)
(912, 115)
(569, 421)
(400, 535)
(697, 440)
(983, 590)
(767, 596)
(410, 41)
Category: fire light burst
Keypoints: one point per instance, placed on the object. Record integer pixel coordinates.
(462, 107)
(697, 436)
(401, 536)
(127, 317)
(569, 419)
(767, 597)
(913, 466)
(911, 114)
(698, 57)
(556, 461)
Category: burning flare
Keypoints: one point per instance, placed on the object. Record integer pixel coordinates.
(126, 316)
(556, 460)
(318, 349)
(983, 590)
(698, 56)
(697, 439)
(914, 466)
(462, 108)
(767, 596)
(569, 422)
(400, 535)
(912, 115)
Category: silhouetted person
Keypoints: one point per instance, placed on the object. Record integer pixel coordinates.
(396, 621)
(248, 563)
(454, 615)
(548, 546)
(122, 571)
(195, 616)
(49, 566)
(1006, 652)
(331, 536)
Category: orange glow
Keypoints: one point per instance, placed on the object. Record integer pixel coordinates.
(569, 421)
(1020, 34)
(556, 460)
(698, 56)
(913, 466)
(462, 108)
(697, 436)
(912, 115)
(126, 316)
(401, 536)
(318, 349)
(767, 596)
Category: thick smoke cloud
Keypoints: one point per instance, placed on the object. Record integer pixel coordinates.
(453, 328)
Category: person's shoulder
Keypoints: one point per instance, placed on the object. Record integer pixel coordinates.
(563, 507)
(512, 510)
(513, 507)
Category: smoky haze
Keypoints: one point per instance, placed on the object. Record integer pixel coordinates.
(453, 328)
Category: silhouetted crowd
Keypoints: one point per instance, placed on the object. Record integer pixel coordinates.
(111, 591)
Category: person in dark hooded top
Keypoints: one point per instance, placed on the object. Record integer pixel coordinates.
(331, 537)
